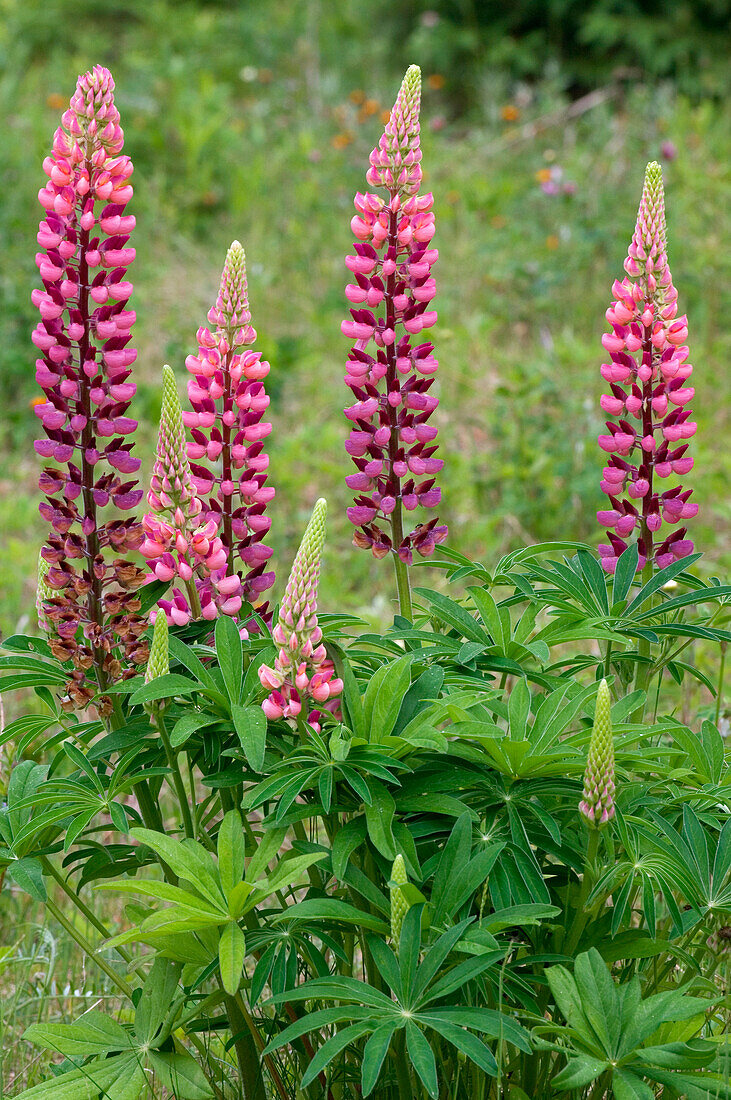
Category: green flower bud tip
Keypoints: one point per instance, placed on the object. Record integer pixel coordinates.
(159, 660)
(597, 805)
(399, 903)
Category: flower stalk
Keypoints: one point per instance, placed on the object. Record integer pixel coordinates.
(302, 670)
(84, 371)
(228, 460)
(391, 442)
(647, 374)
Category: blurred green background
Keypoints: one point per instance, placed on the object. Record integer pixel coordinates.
(255, 119)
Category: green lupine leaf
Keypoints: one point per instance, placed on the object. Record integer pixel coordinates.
(330, 909)
(86, 1084)
(231, 956)
(628, 1086)
(164, 687)
(313, 1021)
(230, 656)
(331, 1049)
(374, 1054)
(487, 1021)
(189, 724)
(625, 572)
(477, 1051)
(347, 840)
(185, 656)
(422, 1058)
(27, 873)
(94, 1033)
(379, 818)
(157, 995)
(658, 580)
(384, 697)
(599, 998)
(454, 615)
(181, 1075)
(518, 710)
(581, 1070)
(338, 989)
(231, 851)
(188, 859)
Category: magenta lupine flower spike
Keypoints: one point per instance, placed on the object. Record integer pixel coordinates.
(229, 401)
(84, 371)
(179, 543)
(597, 805)
(302, 670)
(648, 377)
(391, 442)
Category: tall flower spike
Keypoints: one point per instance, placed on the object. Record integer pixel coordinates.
(84, 371)
(179, 543)
(399, 903)
(302, 670)
(229, 400)
(647, 374)
(597, 805)
(391, 442)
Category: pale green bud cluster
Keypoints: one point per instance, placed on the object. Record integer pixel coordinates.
(399, 903)
(597, 805)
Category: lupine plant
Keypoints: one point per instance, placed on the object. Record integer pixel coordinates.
(482, 854)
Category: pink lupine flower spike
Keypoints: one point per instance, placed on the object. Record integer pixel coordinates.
(227, 455)
(648, 376)
(84, 371)
(302, 672)
(391, 442)
(180, 544)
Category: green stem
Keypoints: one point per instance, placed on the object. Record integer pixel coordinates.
(83, 907)
(719, 690)
(581, 916)
(403, 1076)
(403, 587)
(88, 948)
(195, 603)
(158, 720)
(644, 667)
(252, 1081)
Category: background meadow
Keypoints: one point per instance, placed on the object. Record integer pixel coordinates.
(255, 120)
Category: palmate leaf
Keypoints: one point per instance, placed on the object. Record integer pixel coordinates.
(94, 1033)
(331, 1048)
(120, 1078)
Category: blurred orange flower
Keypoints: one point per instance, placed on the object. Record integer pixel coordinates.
(510, 113)
(56, 101)
(543, 175)
(36, 401)
(385, 116)
(436, 81)
(357, 97)
(552, 242)
(341, 140)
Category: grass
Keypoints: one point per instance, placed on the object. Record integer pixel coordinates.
(255, 121)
